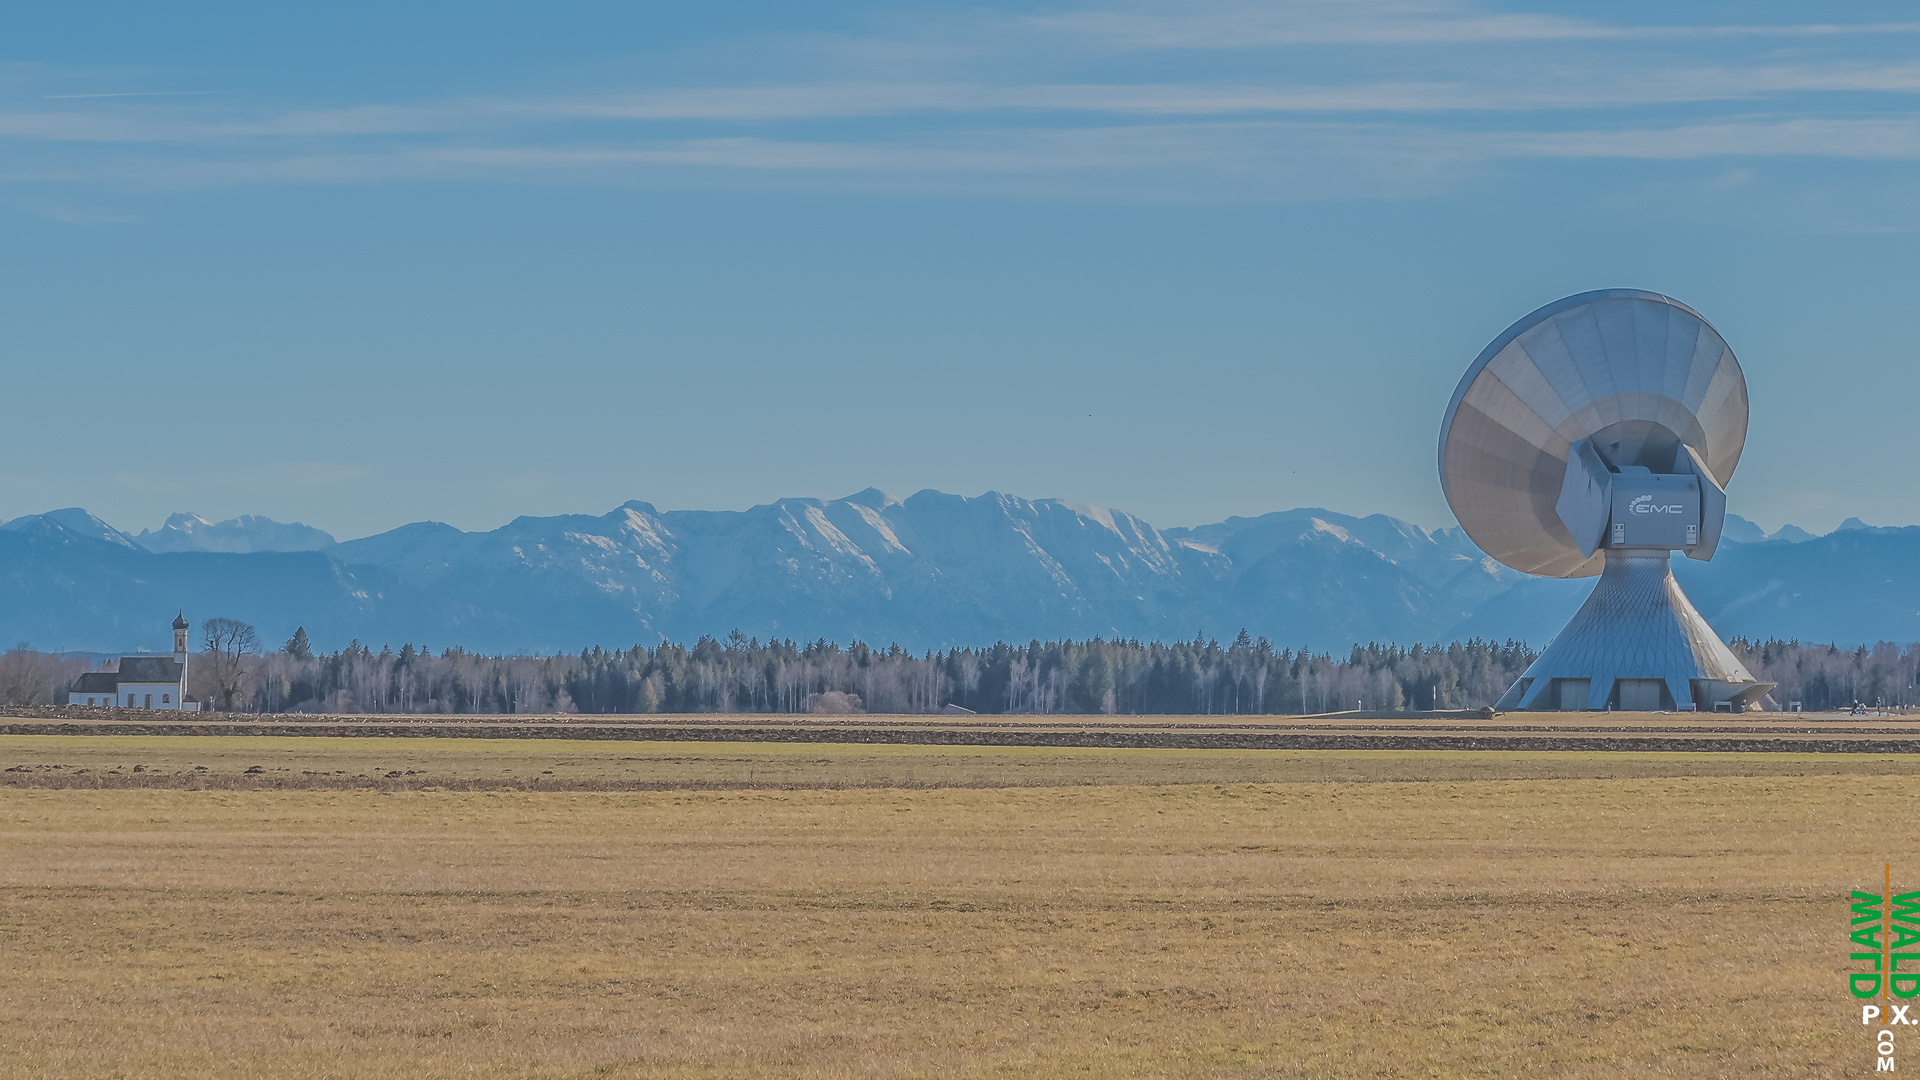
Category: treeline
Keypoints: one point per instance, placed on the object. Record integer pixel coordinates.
(742, 674)
(1824, 677)
(36, 678)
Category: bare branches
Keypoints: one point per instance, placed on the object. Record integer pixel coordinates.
(35, 678)
(229, 644)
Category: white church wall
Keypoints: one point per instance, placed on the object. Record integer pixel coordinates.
(150, 696)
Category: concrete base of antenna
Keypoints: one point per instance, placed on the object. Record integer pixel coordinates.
(1637, 645)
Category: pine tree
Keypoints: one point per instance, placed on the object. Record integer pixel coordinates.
(298, 646)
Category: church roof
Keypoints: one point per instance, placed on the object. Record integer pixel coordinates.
(150, 669)
(96, 682)
(180, 621)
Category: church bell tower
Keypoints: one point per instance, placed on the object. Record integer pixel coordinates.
(180, 640)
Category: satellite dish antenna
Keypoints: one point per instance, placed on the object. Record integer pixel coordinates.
(1597, 436)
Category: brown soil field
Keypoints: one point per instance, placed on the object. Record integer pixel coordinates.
(1894, 732)
(552, 764)
(821, 910)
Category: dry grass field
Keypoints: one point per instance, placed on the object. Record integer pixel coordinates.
(760, 910)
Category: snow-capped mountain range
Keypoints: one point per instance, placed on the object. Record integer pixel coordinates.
(190, 532)
(929, 571)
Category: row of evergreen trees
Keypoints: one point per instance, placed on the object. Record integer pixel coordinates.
(1202, 676)
(742, 674)
(1824, 677)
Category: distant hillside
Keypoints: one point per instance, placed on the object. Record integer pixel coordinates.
(930, 571)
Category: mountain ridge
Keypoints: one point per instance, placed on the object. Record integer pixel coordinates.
(932, 570)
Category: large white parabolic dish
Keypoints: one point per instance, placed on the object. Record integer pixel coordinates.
(1636, 372)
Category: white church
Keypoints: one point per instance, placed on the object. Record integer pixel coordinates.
(143, 682)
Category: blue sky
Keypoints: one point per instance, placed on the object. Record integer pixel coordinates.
(363, 264)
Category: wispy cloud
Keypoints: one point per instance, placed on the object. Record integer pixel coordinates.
(1241, 26)
(1349, 99)
(129, 94)
(1567, 90)
(1241, 160)
(1878, 138)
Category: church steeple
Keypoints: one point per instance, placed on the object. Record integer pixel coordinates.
(180, 639)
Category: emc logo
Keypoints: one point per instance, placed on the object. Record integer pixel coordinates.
(1644, 504)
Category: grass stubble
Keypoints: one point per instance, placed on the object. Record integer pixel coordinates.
(1267, 913)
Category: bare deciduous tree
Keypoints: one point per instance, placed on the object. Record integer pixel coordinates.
(228, 644)
(527, 685)
(25, 676)
(835, 703)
